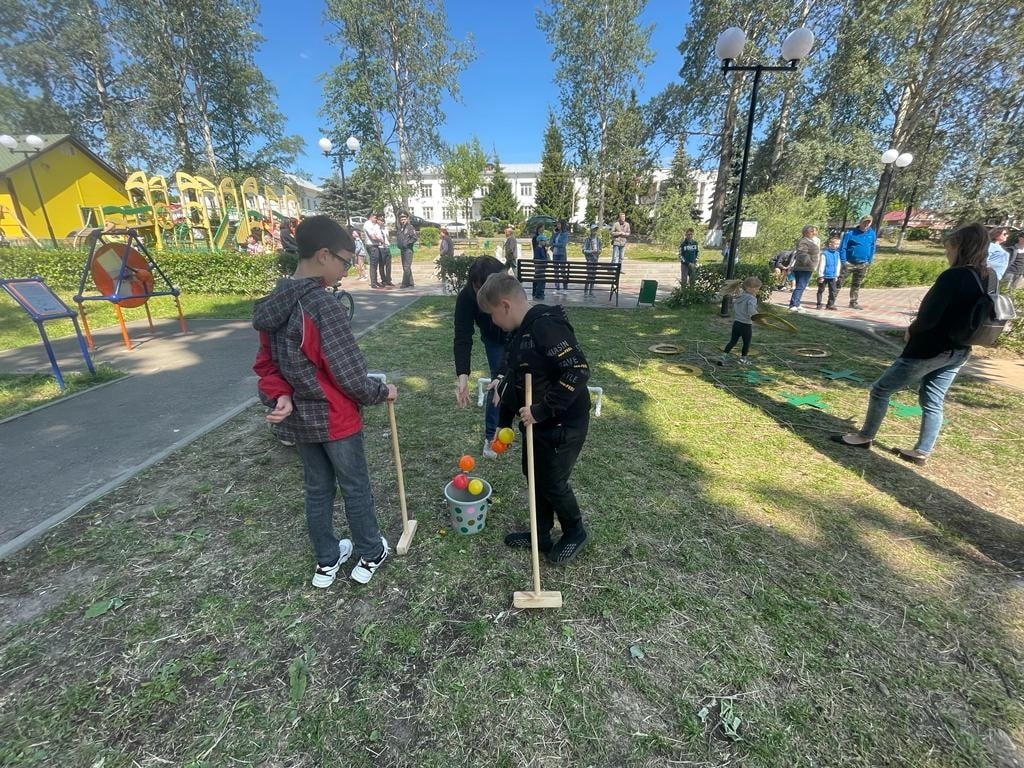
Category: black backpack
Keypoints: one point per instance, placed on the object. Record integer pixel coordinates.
(991, 314)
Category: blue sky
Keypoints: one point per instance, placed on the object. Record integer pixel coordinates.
(511, 78)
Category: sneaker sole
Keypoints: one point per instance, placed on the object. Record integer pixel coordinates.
(571, 556)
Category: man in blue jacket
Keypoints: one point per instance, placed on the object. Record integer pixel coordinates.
(858, 246)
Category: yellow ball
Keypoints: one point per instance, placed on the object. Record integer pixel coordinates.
(475, 486)
(506, 435)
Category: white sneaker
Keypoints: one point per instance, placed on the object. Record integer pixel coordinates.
(795, 309)
(489, 453)
(745, 361)
(365, 569)
(324, 575)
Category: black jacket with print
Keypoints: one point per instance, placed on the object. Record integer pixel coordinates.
(545, 346)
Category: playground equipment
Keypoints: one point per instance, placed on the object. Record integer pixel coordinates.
(198, 198)
(123, 274)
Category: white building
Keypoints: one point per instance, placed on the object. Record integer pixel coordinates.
(433, 201)
(307, 193)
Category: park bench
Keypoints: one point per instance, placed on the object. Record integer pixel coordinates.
(575, 273)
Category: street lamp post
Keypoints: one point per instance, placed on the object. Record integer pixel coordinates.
(898, 160)
(351, 147)
(36, 145)
(728, 47)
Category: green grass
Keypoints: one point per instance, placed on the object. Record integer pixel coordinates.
(849, 609)
(17, 330)
(21, 392)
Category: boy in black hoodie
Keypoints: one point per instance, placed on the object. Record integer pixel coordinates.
(543, 344)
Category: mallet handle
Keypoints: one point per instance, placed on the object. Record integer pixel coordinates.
(531, 486)
(398, 464)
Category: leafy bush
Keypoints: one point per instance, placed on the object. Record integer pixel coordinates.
(675, 216)
(706, 287)
(430, 236)
(483, 228)
(904, 271)
(919, 233)
(453, 271)
(781, 214)
(192, 271)
(1014, 338)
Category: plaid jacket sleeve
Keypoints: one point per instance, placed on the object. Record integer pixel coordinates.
(271, 383)
(343, 357)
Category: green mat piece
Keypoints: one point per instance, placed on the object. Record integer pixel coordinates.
(813, 400)
(905, 411)
(846, 373)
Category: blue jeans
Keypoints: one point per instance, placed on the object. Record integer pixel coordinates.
(326, 466)
(617, 253)
(802, 278)
(936, 375)
(495, 352)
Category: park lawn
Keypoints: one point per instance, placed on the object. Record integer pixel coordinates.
(848, 609)
(21, 392)
(17, 330)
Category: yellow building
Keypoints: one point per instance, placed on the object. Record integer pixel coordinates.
(73, 182)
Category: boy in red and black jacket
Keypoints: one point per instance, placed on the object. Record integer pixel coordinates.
(314, 377)
(542, 343)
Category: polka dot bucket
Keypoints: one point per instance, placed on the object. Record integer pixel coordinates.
(468, 511)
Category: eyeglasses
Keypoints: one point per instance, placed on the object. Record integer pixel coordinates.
(340, 258)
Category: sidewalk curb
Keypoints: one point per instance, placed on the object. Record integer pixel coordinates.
(39, 529)
(64, 399)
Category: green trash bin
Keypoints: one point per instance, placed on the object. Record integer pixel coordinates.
(648, 292)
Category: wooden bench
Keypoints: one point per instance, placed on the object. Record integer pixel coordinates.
(574, 273)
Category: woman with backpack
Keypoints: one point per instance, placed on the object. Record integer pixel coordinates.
(937, 344)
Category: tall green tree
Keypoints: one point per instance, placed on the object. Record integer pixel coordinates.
(499, 201)
(462, 169)
(595, 73)
(555, 182)
(60, 52)
(398, 61)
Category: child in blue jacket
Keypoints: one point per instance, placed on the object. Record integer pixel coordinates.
(830, 263)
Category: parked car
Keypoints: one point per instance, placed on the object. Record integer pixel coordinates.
(456, 228)
(419, 222)
(356, 222)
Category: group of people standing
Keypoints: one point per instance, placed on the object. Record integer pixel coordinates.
(846, 257)
(373, 247)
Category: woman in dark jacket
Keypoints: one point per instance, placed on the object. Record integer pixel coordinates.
(934, 350)
(468, 314)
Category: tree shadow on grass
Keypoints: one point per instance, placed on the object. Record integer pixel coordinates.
(998, 538)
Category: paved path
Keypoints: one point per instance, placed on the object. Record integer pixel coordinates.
(60, 457)
(887, 309)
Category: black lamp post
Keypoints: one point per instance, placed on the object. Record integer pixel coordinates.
(896, 159)
(36, 145)
(729, 46)
(351, 147)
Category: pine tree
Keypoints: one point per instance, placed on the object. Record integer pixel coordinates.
(499, 202)
(555, 182)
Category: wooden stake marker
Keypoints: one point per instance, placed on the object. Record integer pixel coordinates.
(408, 526)
(537, 598)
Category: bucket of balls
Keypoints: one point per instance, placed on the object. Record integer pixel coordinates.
(468, 498)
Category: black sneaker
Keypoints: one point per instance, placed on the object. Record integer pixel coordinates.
(521, 540)
(568, 547)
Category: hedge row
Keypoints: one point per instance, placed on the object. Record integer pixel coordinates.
(706, 286)
(903, 271)
(192, 271)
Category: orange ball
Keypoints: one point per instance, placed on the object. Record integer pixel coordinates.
(498, 447)
(466, 463)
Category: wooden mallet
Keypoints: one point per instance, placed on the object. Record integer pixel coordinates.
(537, 598)
(408, 526)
